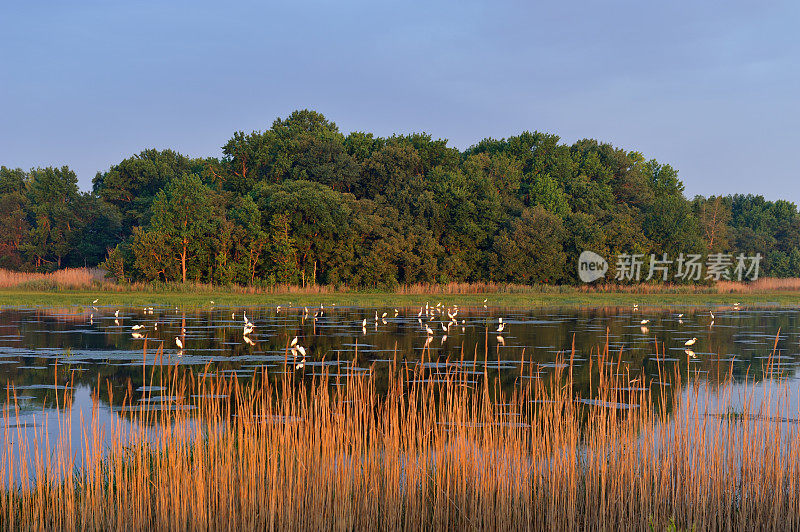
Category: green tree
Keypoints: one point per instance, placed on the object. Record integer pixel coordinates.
(182, 212)
(53, 198)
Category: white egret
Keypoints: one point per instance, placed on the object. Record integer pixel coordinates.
(501, 327)
(302, 350)
(644, 322)
(428, 330)
(94, 302)
(293, 342)
(137, 327)
(178, 342)
(687, 343)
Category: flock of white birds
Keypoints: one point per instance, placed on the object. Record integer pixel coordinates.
(427, 317)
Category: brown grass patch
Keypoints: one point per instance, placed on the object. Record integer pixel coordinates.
(69, 278)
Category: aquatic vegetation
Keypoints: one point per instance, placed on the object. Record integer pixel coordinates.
(319, 450)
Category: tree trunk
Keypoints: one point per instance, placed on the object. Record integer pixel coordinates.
(183, 261)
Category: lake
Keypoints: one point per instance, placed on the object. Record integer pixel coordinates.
(83, 353)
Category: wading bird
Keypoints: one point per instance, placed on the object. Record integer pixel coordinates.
(178, 343)
(688, 343)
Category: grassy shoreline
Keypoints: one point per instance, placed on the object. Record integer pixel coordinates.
(222, 297)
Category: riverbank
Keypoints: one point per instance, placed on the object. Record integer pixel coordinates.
(225, 298)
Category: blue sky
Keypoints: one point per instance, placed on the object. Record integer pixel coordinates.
(710, 88)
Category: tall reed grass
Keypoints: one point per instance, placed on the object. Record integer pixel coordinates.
(73, 278)
(291, 451)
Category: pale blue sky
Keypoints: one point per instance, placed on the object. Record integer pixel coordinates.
(711, 89)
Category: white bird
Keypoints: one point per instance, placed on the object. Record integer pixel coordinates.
(294, 342)
(712, 314)
(137, 327)
(302, 350)
(364, 323)
(212, 301)
(178, 343)
(383, 315)
(233, 315)
(116, 314)
(94, 302)
(428, 330)
(300, 365)
(501, 340)
(444, 339)
(502, 326)
(680, 315)
(690, 342)
(644, 322)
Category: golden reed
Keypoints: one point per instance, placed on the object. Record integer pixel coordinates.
(430, 450)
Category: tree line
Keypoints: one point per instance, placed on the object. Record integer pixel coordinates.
(303, 203)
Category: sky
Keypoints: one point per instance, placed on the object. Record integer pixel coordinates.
(708, 87)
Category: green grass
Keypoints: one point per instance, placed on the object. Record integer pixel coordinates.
(563, 298)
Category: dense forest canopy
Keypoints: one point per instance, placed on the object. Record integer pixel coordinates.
(303, 203)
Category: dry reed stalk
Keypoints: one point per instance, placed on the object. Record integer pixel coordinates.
(290, 451)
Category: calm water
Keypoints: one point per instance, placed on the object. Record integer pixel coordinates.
(43, 349)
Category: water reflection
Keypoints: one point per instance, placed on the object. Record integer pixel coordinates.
(76, 358)
(44, 348)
